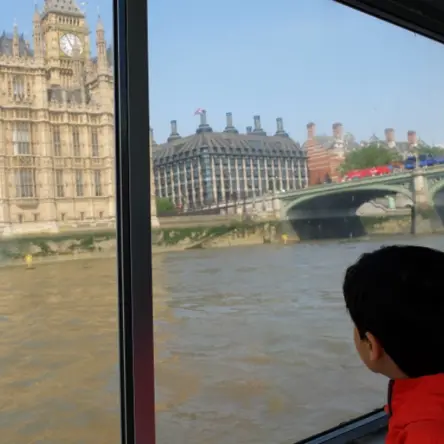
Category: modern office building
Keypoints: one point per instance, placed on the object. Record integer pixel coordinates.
(56, 123)
(210, 167)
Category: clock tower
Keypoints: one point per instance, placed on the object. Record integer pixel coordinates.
(65, 36)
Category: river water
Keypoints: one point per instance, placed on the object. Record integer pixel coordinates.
(253, 345)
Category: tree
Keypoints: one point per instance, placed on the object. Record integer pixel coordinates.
(368, 157)
(435, 151)
(164, 205)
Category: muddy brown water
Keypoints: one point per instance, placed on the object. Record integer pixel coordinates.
(253, 345)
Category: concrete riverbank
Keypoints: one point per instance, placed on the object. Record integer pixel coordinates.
(86, 244)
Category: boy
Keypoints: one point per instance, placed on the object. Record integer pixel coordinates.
(395, 297)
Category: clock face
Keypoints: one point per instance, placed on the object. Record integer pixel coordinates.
(68, 42)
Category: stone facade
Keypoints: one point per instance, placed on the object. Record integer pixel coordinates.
(56, 124)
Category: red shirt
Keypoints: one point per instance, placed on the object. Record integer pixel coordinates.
(416, 410)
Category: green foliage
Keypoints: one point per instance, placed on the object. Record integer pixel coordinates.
(368, 157)
(87, 243)
(46, 250)
(172, 236)
(16, 248)
(164, 204)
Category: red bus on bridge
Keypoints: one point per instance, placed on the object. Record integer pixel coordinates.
(367, 172)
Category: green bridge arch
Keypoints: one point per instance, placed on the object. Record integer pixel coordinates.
(304, 198)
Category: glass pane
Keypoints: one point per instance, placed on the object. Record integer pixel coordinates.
(58, 296)
(293, 138)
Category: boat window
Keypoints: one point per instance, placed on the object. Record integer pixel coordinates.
(60, 358)
(237, 263)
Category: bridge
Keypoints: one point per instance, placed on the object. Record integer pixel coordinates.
(331, 210)
(325, 206)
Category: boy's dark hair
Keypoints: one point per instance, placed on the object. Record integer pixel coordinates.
(397, 294)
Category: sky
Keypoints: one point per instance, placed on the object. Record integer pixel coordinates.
(302, 60)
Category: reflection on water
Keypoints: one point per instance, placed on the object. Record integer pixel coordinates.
(253, 345)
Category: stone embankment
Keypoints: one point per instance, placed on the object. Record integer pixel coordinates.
(83, 243)
(57, 246)
(229, 234)
(385, 225)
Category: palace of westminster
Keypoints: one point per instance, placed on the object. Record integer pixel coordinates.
(56, 124)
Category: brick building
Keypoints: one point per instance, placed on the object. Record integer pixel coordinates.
(326, 153)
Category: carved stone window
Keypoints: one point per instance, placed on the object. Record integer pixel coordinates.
(21, 138)
(18, 86)
(25, 183)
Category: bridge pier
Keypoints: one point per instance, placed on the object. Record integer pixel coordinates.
(425, 219)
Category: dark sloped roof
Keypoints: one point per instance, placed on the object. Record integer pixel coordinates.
(401, 146)
(227, 143)
(66, 7)
(6, 41)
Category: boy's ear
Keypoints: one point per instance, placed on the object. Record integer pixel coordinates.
(374, 349)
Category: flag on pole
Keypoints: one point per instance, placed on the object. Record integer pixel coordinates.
(199, 111)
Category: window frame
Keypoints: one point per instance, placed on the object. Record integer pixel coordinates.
(351, 431)
(133, 214)
(133, 217)
(76, 145)
(79, 184)
(95, 147)
(25, 186)
(56, 140)
(423, 17)
(97, 183)
(59, 183)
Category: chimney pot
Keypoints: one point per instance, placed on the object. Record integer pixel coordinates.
(229, 128)
(229, 120)
(337, 130)
(311, 130)
(257, 123)
(203, 127)
(174, 134)
(203, 118)
(152, 141)
(174, 127)
(279, 124)
(389, 134)
(249, 129)
(411, 137)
